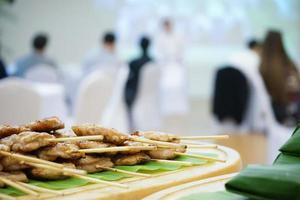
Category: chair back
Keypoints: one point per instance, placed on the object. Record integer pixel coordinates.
(42, 73)
(146, 109)
(100, 101)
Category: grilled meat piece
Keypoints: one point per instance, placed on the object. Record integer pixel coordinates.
(165, 154)
(46, 125)
(12, 164)
(110, 135)
(30, 141)
(41, 173)
(133, 159)
(158, 136)
(93, 164)
(60, 150)
(6, 130)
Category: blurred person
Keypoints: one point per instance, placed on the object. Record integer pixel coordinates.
(169, 43)
(237, 89)
(36, 57)
(174, 89)
(3, 72)
(105, 55)
(135, 66)
(281, 78)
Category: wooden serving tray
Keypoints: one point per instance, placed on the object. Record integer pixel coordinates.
(207, 185)
(139, 187)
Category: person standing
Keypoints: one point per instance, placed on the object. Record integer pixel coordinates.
(132, 84)
(281, 79)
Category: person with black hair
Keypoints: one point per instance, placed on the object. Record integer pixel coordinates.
(135, 67)
(36, 57)
(103, 56)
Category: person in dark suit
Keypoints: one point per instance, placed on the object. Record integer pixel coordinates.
(135, 67)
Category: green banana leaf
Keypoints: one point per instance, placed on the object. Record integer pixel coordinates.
(292, 146)
(286, 159)
(219, 195)
(149, 167)
(275, 182)
(11, 191)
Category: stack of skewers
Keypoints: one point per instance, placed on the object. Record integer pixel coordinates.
(41, 150)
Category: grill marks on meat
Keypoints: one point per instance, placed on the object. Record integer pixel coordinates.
(131, 159)
(41, 173)
(46, 125)
(60, 150)
(93, 164)
(110, 135)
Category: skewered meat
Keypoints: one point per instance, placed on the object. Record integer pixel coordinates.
(165, 154)
(4, 147)
(30, 141)
(96, 144)
(60, 150)
(46, 125)
(6, 130)
(131, 159)
(158, 136)
(41, 173)
(132, 151)
(9, 140)
(93, 164)
(92, 144)
(12, 164)
(14, 176)
(110, 135)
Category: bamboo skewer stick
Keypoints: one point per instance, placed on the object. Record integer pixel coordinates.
(200, 156)
(30, 159)
(125, 172)
(40, 189)
(4, 196)
(63, 170)
(94, 180)
(185, 163)
(158, 143)
(77, 138)
(18, 186)
(204, 137)
(117, 149)
(213, 146)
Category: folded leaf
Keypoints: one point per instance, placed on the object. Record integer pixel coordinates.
(292, 146)
(219, 195)
(275, 182)
(286, 159)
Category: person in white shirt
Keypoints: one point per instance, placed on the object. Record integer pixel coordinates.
(103, 56)
(169, 51)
